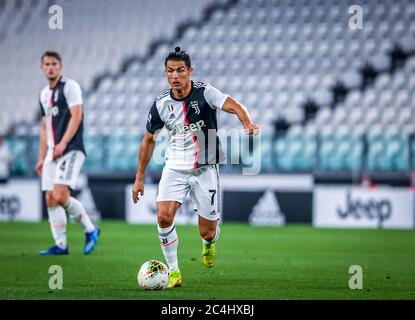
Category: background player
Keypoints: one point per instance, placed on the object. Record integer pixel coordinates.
(62, 154)
(188, 111)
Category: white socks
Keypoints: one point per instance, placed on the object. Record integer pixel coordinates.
(169, 244)
(58, 221)
(207, 243)
(76, 210)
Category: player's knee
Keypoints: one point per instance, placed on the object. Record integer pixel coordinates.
(164, 218)
(208, 234)
(60, 196)
(50, 200)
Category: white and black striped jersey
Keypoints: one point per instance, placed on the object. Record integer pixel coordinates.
(55, 104)
(191, 124)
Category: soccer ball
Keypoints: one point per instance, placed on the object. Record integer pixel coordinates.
(153, 275)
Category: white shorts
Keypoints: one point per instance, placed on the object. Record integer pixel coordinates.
(64, 170)
(203, 185)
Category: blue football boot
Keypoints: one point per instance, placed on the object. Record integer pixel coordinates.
(54, 251)
(91, 240)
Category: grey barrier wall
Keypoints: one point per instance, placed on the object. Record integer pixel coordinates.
(264, 200)
(259, 200)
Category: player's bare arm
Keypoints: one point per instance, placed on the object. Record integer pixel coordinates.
(73, 126)
(233, 106)
(144, 156)
(42, 147)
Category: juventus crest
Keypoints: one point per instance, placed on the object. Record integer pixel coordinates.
(195, 105)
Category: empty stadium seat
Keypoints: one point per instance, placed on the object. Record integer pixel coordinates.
(273, 56)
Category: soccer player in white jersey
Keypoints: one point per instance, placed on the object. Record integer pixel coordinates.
(188, 111)
(62, 154)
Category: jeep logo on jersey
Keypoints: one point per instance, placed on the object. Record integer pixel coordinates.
(191, 127)
(195, 105)
(54, 111)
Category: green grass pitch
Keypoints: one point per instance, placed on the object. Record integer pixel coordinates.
(292, 262)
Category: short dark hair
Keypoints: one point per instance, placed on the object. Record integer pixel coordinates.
(178, 55)
(53, 54)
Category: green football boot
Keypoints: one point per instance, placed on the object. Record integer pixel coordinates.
(209, 255)
(175, 280)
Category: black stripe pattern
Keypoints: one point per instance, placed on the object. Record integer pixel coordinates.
(165, 235)
(70, 167)
(162, 95)
(218, 188)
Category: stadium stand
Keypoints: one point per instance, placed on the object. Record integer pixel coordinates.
(326, 97)
(96, 37)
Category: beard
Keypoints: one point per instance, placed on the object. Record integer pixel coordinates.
(52, 78)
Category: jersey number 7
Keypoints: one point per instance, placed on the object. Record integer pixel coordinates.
(212, 199)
